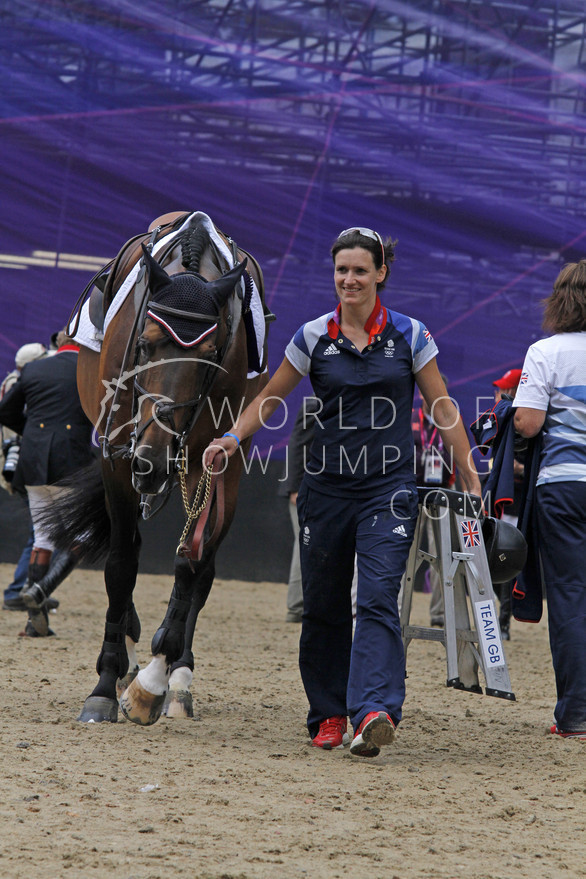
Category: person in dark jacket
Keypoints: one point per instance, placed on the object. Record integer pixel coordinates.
(43, 406)
(8, 459)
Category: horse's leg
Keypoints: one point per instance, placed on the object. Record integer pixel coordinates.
(132, 639)
(120, 576)
(144, 700)
(179, 702)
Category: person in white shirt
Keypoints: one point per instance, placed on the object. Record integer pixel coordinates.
(551, 398)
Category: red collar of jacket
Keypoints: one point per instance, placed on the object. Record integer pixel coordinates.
(373, 326)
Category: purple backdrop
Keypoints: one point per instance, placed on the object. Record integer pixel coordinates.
(455, 127)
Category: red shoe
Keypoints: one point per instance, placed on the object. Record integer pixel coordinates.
(332, 733)
(577, 734)
(376, 729)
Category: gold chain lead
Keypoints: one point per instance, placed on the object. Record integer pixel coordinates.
(194, 511)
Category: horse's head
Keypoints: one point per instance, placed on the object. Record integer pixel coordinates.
(178, 353)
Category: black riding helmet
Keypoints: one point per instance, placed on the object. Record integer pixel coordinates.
(506, 549)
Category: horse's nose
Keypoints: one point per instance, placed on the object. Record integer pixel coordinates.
(150, 473)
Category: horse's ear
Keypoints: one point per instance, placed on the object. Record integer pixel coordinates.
(221, 288)
(158, 277)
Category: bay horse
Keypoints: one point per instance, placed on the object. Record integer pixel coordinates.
(171, 375)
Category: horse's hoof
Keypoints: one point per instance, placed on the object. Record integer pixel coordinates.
(178, 703)
(140, 706)
(99, 709)
(123, 683)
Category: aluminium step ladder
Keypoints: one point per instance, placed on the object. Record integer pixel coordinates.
(461, 562)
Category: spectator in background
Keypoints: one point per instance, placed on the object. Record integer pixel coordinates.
(43, 406)
(297, 457)
(506, 386)
(9, 453)
(432, 470)
(551, 400)
(10, 439)
(54, 343)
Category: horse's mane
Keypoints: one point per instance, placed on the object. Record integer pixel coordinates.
(193, 244)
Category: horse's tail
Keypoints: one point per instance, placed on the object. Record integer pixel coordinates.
(78, 518)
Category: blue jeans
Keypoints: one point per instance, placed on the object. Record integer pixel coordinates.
(21, 571)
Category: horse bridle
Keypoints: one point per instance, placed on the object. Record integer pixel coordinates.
(164, 411)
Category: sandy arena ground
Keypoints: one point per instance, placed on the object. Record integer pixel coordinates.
(473, 786)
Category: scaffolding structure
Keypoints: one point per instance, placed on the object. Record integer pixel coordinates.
(408, 74)
(428, 104)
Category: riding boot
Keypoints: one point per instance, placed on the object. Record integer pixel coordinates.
(35, 595)
(38, 565)
(37, 625)
(38, 615)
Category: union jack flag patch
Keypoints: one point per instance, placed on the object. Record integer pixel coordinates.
(427, 334)
(470, 532)
(524, 378)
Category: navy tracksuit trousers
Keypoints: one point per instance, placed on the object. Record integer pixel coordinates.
(342, 675)
(561, 517)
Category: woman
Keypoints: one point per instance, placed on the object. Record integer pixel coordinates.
(552, 398)
(358, 494)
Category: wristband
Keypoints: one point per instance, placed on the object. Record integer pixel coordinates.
(233, 435)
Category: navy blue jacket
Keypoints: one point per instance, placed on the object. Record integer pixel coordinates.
(496, 429)
(43, 406)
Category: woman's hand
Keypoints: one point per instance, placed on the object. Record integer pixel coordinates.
(226, 444)
(262, 407)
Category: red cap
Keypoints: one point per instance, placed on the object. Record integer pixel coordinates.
(510, 379)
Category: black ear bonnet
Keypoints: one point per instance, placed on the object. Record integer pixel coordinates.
(185, 305)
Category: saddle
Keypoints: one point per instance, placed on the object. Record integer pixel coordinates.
(97, 311)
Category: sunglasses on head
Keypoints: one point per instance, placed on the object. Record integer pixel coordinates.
(368, 233)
